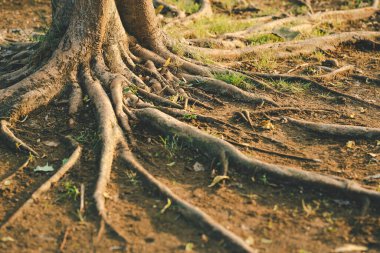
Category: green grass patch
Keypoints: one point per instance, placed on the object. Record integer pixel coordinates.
(293, 87)
(188, 6)
(235, 79)
(209, 26)
(264, 38)
(264, 62)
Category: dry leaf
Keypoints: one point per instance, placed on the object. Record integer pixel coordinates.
(350, 248)
(7, 182)
(198, 167)
(167, 63)
(217, 180)
(159, 9)
(166, 207)
(7, 239)
(53, 144)
(189, 246)
(267, 125)
(350, 144)
(204, 238)
(250, 241)
(46, 168)
(266, 241)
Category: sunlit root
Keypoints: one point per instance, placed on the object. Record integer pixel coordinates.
(226, 89)
(213, 146)
(286, 49)
(337, 130)
(188, 210)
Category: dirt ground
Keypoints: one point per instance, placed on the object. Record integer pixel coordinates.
(271, 215)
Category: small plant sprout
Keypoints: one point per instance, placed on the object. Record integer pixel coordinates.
(70, 190)
(190, 116)
(235, 79)
(132, 177)
(170, 144)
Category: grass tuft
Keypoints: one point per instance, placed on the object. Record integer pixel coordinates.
(235, 79)
(264, 38)
(188, 6)
(293, 87)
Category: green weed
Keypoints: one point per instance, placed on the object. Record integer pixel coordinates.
(264, 62)
(235, 79)
(264, 38)
(292, 87)
(171, 144)
(188, 6)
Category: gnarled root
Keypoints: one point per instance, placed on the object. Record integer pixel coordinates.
(213, 146)
(188, 210)
(337, 130)
(285, 49)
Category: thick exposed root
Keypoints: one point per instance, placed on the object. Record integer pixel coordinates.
(315, 84)
(367, 79)
(75, 102)
(335, 16)
(213, 146)
(291, 156)
(111, 135)
(33, 92)
(14, 142)
(337, 130)
(73, 159)
(121, 70)
(289, 109)
(336, 72)
(226, 89)
(188, 210)
(286, 49)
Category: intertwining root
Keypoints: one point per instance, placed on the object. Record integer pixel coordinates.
(128, 84)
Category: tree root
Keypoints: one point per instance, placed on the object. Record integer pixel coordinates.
(367, 79)
(188, 210)
(200, 93)
(341, 15)
(287, 49)
(111, 135)
(213, 146)
(316, 85)
(226, 89)
(75, 102)
(73, 159)
(121, 62)
(289, 109)
(334, 73)
(296, 157)
(12, 140)
(337, 130)
(207, 119)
